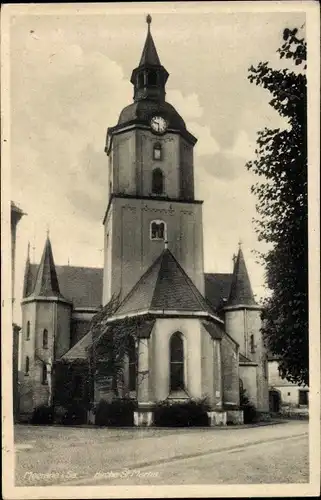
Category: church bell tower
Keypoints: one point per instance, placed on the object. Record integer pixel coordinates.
(150, 199)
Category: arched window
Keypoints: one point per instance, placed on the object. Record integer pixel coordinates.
(45, 339)
(157, 230)
(131, 364)
(27, 367)
(176, 362)
(152, 78)
(157, 151)
(28, 330)
(157, 181)
(44, 373)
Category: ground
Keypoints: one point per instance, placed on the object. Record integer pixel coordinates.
(275, 453)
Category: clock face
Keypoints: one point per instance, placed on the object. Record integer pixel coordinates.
(158, 124)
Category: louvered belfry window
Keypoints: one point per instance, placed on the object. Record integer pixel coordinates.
(176, 362)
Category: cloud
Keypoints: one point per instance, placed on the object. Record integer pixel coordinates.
(206, 144)
(187, 105)
(242, 147)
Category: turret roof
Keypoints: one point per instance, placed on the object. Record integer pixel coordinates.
(241, 291)
(46, 281)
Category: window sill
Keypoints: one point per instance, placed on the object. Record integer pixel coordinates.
(180, 394)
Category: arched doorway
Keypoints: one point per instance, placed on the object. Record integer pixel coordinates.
(274, 400)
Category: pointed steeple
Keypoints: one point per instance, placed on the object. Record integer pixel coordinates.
(47, 281)
(149, 78)
(27, 282)
(149, 54)
(241, 291)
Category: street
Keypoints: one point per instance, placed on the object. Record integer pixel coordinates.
(275, 453)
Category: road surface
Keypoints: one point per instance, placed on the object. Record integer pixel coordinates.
(79, 456)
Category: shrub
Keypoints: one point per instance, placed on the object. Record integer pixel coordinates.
(185, 414)
(249, 410)
(75, 414)
(42, 415)
(116, 413)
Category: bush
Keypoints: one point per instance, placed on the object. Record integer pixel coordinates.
(75, 414)
(42, 415)
(249, 410)
(116, 413)
(185, 414)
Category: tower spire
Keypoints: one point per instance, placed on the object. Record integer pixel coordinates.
(241, 291)
(149, 78)
(27, 281)
(47, 280)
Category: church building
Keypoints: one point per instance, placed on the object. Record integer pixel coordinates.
(196, 335)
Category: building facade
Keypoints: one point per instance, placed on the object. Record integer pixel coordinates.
(16, 215)
(195, 335)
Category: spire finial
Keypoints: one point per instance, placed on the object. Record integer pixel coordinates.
(148, 20)
(240, 243)
(48, 231)
(165, 244)
(28, 251)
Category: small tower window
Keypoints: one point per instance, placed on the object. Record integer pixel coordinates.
(157, 230)
(252, 345)
(176, 362)
(158, 181)
(44, 374)
(131, 365)
(27, 366)
(45, 339)
(157, 151)
(152, 78)
(28, 330)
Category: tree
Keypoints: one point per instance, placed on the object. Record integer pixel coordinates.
(282, 223)
(111, 346)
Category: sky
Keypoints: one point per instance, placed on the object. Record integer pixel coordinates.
(69, 81)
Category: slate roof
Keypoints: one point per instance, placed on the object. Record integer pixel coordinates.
(164, 286)
(46, 283)
(241, 290)
(215, 330)
(79, 350)
(81, 285)
(217, 288)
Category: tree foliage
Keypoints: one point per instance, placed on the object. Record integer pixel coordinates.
(282, 222)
